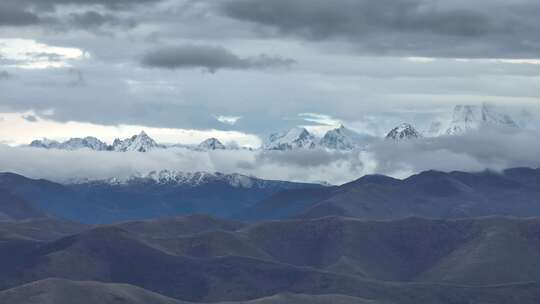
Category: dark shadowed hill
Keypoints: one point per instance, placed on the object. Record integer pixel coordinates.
(112, 255)
(513, 192)
(178, 226)
(491, 260)
(41, 229)
(285, 204)
(59, 291)
(13, 207)
(306, 299)
(469, 251)
(472, 252)
(100, 202)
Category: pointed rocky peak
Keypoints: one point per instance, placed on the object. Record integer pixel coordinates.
(341, 138)
(91, 143)
(211, 144)
(466, 118)
(137, 143)
(45, 143)
(470, 117)
(491, 116)
(88, 142)
(404, 131)
(295, 138)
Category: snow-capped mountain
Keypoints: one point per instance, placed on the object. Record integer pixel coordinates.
(91, 143)
(211, 144)
(404, 131)
(87, 142)
(45, 143)
(472, 117)
(188, 179)
(199, 178)
(136, 143)
(296, 138)
(343, 138)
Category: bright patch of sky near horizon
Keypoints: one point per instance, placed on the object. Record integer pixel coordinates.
(239, 70)
(17, 129)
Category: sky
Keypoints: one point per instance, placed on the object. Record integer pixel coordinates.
(239, 70)
(242, 69)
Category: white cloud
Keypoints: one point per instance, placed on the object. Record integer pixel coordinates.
(421, 59)
(16, 130)
(320, 119)
(229, 120)
(465, 153)
(325, 123)
(30, 54)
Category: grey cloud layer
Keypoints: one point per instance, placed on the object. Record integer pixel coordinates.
(412, 27)
(465, 153)
(15, 15)
(51, 4)
(37, 12)
(4, 75)
(485, 28)
(209, 57)
(111, 87)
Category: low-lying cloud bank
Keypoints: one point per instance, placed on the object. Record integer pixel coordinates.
(486, 149)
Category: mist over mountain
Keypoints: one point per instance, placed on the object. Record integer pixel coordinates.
(140, 197)
(431, 194)
(511, 147)
(464, 119)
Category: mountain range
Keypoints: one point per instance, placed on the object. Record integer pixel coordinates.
(434, 237)
(432, 194)
(465, 118)
(156, 194)
(326, 260)
(472, 117)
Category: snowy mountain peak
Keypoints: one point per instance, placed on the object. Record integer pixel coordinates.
(45, 143)
(87, 142)
(137, 143)
(296, 138)
(341, 138)
(471, 117)
(91, 143)
(190, 179)
(211, 144)
(404, 131)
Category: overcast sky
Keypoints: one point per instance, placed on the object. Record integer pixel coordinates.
(239, 69)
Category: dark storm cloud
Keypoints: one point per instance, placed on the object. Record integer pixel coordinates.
(318, 19)
(207, 57)
(51, 4)
(4, 75)
(30, 118)
(412, 27)
(37, 12)
(12, 14)
(45, 56)
(95, 20)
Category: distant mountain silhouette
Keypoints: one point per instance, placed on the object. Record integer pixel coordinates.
(147, 197)
(513, 192)
(13, 207)
(433, 194)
